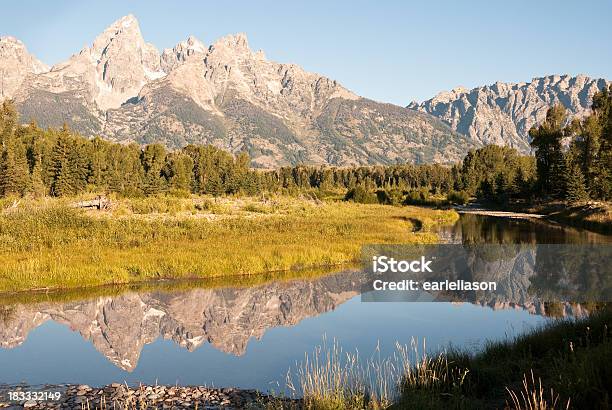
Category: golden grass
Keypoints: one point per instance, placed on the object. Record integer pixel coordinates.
(331, 378)
(593, 215)
(48, 244)
(533, 397)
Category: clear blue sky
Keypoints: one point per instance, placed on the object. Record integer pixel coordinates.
(394, 51)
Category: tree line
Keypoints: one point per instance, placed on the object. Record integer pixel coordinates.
(58, 162)
(572, 162)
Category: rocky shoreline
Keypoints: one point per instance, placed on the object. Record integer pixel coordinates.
(121, 396)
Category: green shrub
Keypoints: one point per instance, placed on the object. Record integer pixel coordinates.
(418, 197)
(360, 195)
(390, 196)
(458, 197)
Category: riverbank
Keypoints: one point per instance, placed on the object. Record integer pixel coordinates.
(562, 365)
(50, 244)
(594, 216)
(500, 214)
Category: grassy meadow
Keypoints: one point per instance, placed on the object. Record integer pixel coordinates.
(50, 244)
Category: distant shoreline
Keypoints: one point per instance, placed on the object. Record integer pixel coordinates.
(504, 214)
(593, 216)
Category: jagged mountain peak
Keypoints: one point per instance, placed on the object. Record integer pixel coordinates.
(230, 49)
(238, 41)
(16, 63)
(113, 69)
(10, 42)
(126, 24)
(126, 21)
(126, 28)
(193, 43)
(12, 47)
(9, 39)
(503, 112)
(184, 50)
(228, 95)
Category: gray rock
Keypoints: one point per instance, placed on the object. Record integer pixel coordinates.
(503, 113)
(16, 63)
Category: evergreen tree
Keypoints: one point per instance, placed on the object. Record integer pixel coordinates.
(239, 174)
(60, 173)
(602, 110)
(178, 171)
(14, 171)
(503, 188)
(521, 184)
(214, 184)
(79, 162)
(590, 148)
(546, 140)
(576, 187)
(153, 159)
(36, 143)
(8, 121)
(487, 190)
(125, 173)
(98, 166)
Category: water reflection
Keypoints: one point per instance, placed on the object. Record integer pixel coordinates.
(226, 318)
(474, 229)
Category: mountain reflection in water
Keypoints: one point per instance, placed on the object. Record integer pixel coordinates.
(226, 318)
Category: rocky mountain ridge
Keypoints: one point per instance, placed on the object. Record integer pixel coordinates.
(227, 95)
(503, 113)
(16, 63)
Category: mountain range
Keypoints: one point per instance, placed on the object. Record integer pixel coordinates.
(226, 94)
(503, 113)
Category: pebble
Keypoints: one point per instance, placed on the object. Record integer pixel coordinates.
(120, 396)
